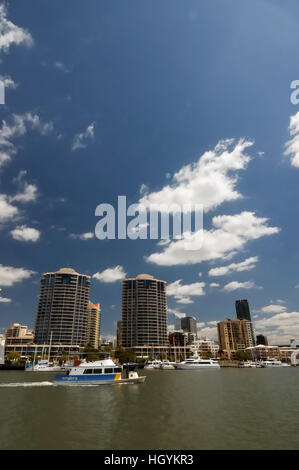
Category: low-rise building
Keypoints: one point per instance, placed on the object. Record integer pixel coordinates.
(18, 334)
(261, 352)
(206, 346)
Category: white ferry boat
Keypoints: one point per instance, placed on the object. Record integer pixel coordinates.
(195, 362)
(97, 373)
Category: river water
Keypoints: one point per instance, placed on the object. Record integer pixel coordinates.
(206, 409)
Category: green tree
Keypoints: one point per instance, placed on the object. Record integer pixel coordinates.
(90, 354)
(242, 356)
(13, 356)
(125, 355)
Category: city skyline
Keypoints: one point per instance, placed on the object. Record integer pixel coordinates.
(153, 125)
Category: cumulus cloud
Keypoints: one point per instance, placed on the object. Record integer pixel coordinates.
(210, 181)
(245, 265)
(27, 192)
(176, 313)
(80, 140)
(23, 233)
(207, 331)
(82, 236)
(292, 146)
(183, 300)
(111, 274)
(234, 285)
(17, 128)
(279, 328)
(183, 292)
(273, 309)
(7, 210)
(10, 33)
(10, 275)
(8, 82)
(61, 66)
(229, 235)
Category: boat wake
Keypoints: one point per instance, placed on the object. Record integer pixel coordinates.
(27, 384)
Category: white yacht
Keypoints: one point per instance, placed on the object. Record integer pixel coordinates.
(166, 365)
(43, 366)
(274, 363)
(153, 364)
(195, 362)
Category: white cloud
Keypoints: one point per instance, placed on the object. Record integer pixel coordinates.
(182, 293)
(176, 312)
(4, 299)
(229, 236)
(83, 236)
(10, 33)
(279, 328)
(245, 265)
(80, 139)
(183, 300)
(273, 309)
(292, 146)
(210, 181)
(10, 275)
(111, 274)
(61, 66)
(19, 127)
(208, 332)
(28, 194)
(7, 210)
(25, 234)
(214, 284)
(8, 82)
(234, 285)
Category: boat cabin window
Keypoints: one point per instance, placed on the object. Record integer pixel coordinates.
(108, 371)
(97, 371)
(117, 369)
(87, 371)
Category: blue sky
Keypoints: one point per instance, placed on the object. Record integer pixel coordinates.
(104, 97)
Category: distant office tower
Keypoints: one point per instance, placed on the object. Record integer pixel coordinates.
(189, 325)
(261, 339)
(242, 310)
(93, 324)
(62, 308)
(235, 335)
(144, 317)
(119, 334)
(177, 323)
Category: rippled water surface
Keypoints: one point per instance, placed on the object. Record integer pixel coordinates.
(207, 409)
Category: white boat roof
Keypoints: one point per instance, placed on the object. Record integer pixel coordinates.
(103, 363)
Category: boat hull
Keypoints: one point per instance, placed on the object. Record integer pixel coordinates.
(96, 380)
(196, 367)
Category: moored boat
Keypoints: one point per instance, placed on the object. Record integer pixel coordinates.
(98, 373)
(195, 362)
(43, 366)
(153, 364)
(273, 363)
(166, 365)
